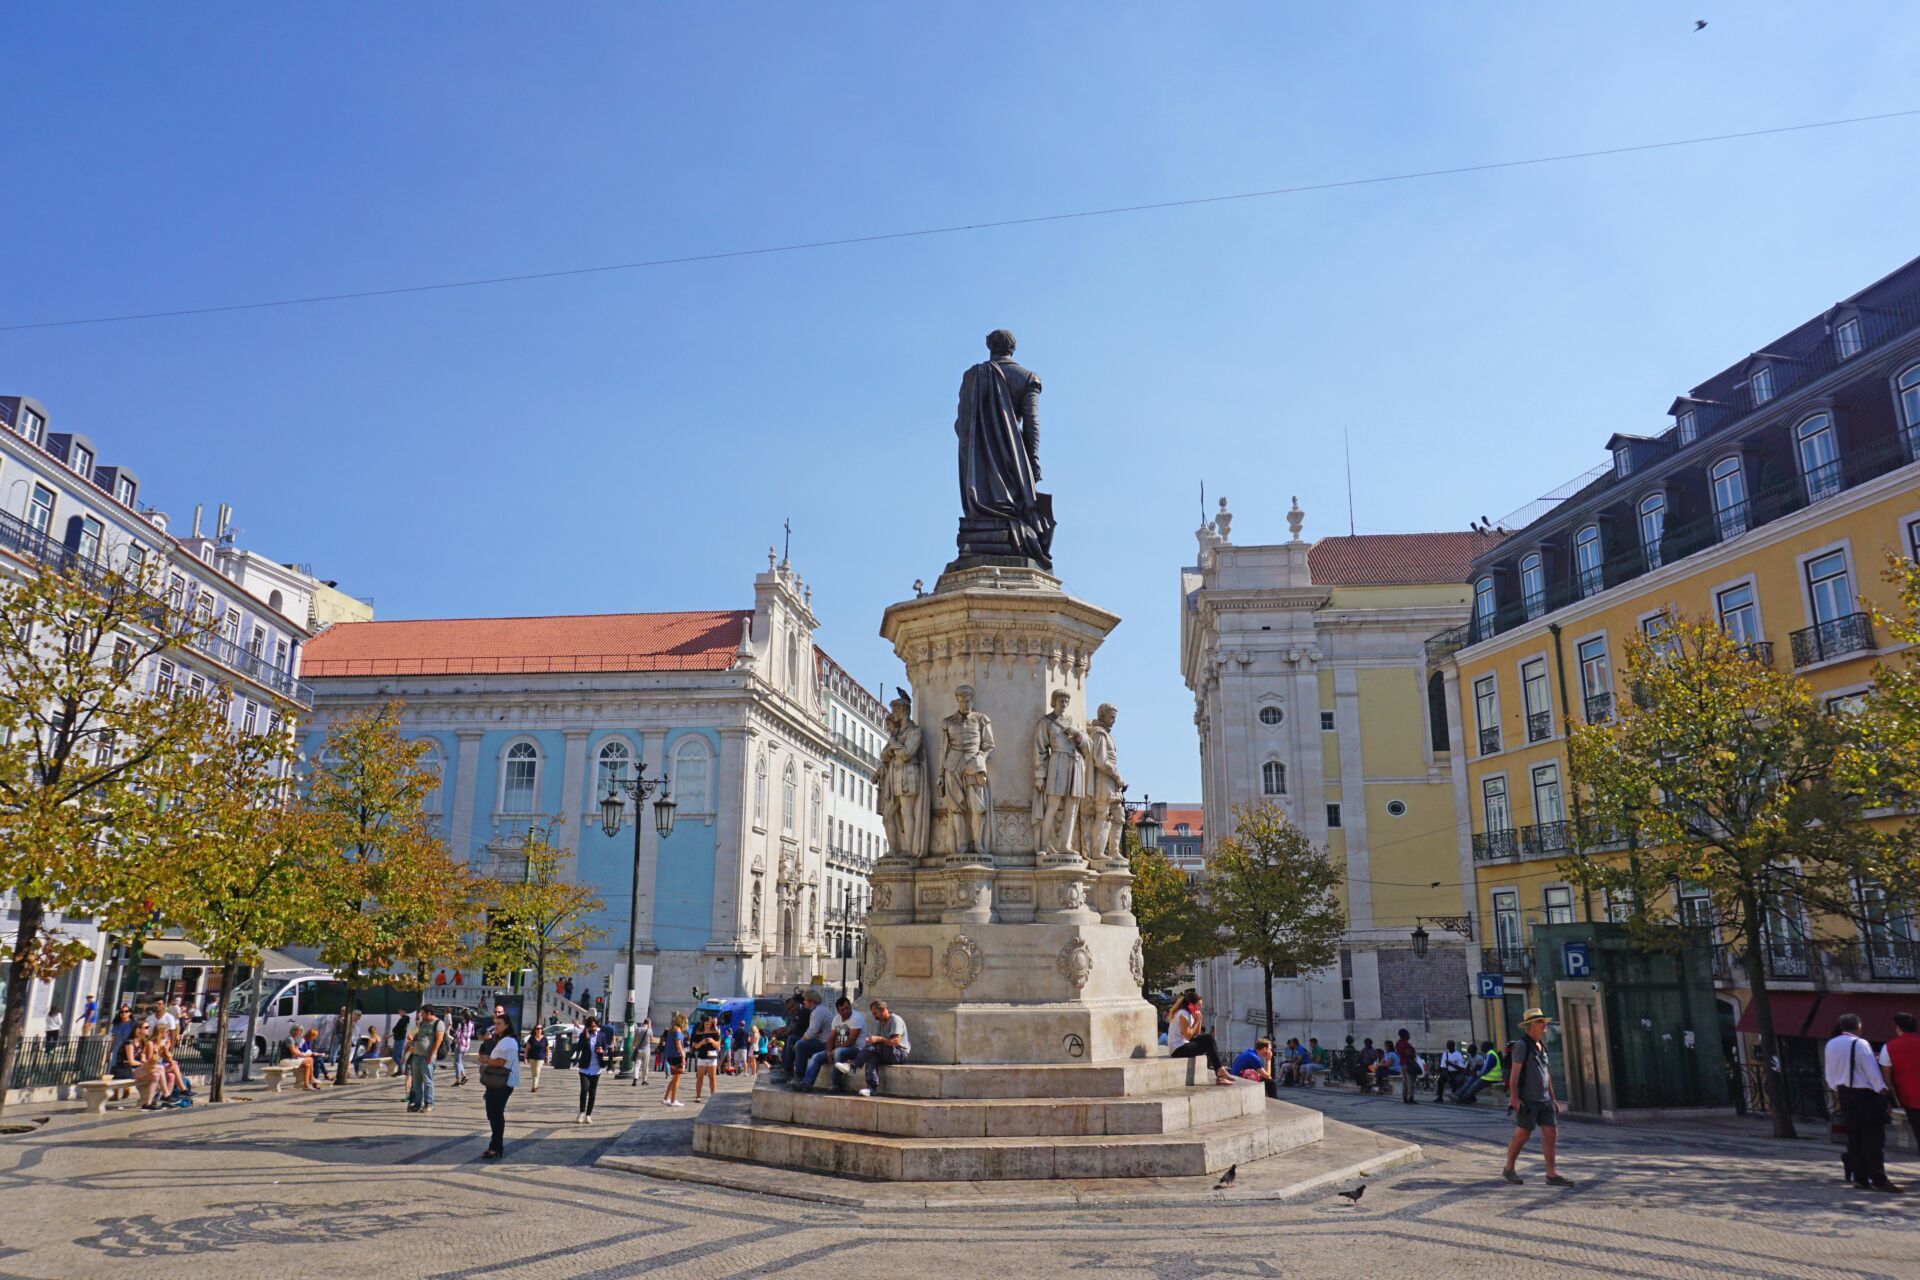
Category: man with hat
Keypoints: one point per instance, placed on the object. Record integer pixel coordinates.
(1530, 1098)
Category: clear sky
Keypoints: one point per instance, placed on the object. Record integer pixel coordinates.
(633, 440)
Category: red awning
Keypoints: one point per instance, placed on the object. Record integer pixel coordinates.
(1792, 1010)
(1876, 1010)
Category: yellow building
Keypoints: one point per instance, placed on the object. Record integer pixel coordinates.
(1768, 506)
(1307, 662)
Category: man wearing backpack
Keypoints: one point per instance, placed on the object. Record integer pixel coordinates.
(1530, 1098)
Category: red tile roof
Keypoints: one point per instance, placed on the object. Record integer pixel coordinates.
(1394, 559)
(699, 641)
(1193, 816)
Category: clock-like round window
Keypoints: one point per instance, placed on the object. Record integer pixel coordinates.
(1271, 715)
(1397, 808)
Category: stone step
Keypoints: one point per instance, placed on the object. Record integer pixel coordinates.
(1116, 1078)
(1278, 1127)
(1154, 1113)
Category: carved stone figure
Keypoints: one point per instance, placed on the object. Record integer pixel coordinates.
(1060, 751)
(754, 926)
(874, 966)
(1105, 814)
(1001, 512)
(966, 739)
(905, 791)
(1137, 963)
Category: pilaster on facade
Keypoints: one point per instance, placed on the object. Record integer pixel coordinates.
(573, 781)
(731, 856)
(465, 789)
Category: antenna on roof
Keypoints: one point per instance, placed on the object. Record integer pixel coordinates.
(1346, 443)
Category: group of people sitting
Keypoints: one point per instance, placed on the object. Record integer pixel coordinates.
(854, 1044)
(143, 1052)
(1296, 1066)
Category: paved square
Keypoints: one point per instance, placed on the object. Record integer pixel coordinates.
(349, 1184)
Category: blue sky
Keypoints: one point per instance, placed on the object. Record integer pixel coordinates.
(633, 440)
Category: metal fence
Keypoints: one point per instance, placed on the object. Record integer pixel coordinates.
(38, 1065)
(1806, 1091)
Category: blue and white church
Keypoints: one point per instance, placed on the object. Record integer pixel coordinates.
(529, 719)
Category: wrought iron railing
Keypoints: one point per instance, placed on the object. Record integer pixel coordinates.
(1445, 643)
(1824, 481)
(254, 667)
(1760, 651)
(1539, 726)
(1599, 708)
(1512, 961)
(37, 1064)
(41, 547)
(853, 748)
(1546, 840)
(1490, 740)
(1496, 846)
(1850, 634)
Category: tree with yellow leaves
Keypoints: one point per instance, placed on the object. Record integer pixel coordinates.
(1723, 767)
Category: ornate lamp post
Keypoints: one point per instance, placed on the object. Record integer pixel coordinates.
(612, 814)
(1148, 826)
(1462, 925)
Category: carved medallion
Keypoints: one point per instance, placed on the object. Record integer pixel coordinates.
(1075, 963)
(882, 896)
(876, 966)
(962, 961)
(1137, 963)
(1073, 895)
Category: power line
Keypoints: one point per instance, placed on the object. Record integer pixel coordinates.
(1033, 220)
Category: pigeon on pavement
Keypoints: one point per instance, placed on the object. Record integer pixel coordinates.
(1226, 1179)
(1353, 1197)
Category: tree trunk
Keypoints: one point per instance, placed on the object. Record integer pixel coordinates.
(1267, 972)
(258, 978)
(217, 1091)
(346, 1037)
(540, 985)
(14, 1026)
(1775, 1078)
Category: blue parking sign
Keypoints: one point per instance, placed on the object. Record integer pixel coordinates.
(1493, 986)
(1576, 960)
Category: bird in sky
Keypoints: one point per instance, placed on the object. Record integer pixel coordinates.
(1699, 24)
(1353, 1197)
(1226, 1179)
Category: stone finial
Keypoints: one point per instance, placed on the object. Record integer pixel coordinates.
(1296, 518)
(1223, 523)
(773, 559)
(919, 588)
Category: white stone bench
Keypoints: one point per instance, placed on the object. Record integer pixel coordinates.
(280, 1074)
(97, 1093)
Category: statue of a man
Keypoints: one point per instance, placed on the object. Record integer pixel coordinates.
(1105, 813)
(906, 797)
(1001, 512)
(966, 739)
(1059, 775)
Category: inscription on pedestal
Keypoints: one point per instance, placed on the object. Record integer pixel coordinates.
(913, 962)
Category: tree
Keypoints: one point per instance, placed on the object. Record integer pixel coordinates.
(1175, 929)
(538, 921)
(88, 739)
(247, 872)
(1724, 767)
(1884, 763)
(391, 894)
(1275, 897)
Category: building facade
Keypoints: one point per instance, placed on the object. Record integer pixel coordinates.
(63, 506)
(855, 839)
(531, 720)
(1308, 667)
(1768, 507)
(1182, 835)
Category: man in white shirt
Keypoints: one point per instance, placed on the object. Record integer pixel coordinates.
(1855, 1077)
(843, 1041)
(886, 1046)
(1453, 1069)
(56, 1023)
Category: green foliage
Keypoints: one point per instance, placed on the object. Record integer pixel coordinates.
(1274, 896)
(1884, 763)
(1175, 929)
(538, 920)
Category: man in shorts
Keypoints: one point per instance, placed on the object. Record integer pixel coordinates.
(1530, 1098)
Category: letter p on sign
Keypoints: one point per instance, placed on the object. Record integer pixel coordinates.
(1578, 963)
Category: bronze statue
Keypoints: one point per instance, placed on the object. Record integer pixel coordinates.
(1001, 512)
(967, 740)
(906, 796)
(1060, 751)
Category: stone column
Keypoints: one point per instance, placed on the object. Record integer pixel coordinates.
(572, 773)
(733, 785)
(466, 775)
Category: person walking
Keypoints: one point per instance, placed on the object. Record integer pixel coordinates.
(397, 1045)
(1409, 1066)
(539, 1049)
(462, 1046)
(1864, 1096)
(56, 1023)
(423, 1047)
(1187, 1036)
(673, 1048)
(642, 1050)
(1530, 1098)
(1900, 1063)
(499, 1077)
(596, 1047)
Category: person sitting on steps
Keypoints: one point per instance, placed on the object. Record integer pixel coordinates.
(1187, 1036)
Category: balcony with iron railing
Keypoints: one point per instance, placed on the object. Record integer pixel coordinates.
(1835, 639)
(854, 749)
(253, 666)
(1680, 540)
(1524, 844)
(1490, 740)
(1513, 961)
(1599, 707)
(1821, 961)
(1539, 726)
(43, 549)
(1444, 644)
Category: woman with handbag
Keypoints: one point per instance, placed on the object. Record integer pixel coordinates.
(673, 1047)
(499, 1075)
(706, 1057)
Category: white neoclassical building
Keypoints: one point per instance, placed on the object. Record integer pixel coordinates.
(531, 719)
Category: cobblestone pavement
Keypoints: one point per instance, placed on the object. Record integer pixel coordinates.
(348, 1184)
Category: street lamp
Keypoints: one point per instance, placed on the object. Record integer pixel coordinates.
(612, 813)
(1462, 925)
(1148, 826)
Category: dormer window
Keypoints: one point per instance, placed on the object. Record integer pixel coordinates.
(1586, 560)
(1689, 427)
(32, 426)
(1847, 342)
(82, 461)
(1533, 584)
(1622, 461)
(125, 490)
(1483, 608)
(1760, 385)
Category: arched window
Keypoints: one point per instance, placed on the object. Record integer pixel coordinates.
(760, 789)
(793, 664)
(615, 759)
(520, 779)
(1586, 560)
(1653, 527)
(1273, 778)
(431, 764)
(789, 798)
(815, 811)
(691, 775)
(1483, 608)
(276, 602)
(1729, 483)
(1533, 584)
(1819, 452)
(1437, 711)
(1908, 385)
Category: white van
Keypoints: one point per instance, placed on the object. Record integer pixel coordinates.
(304, 999)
